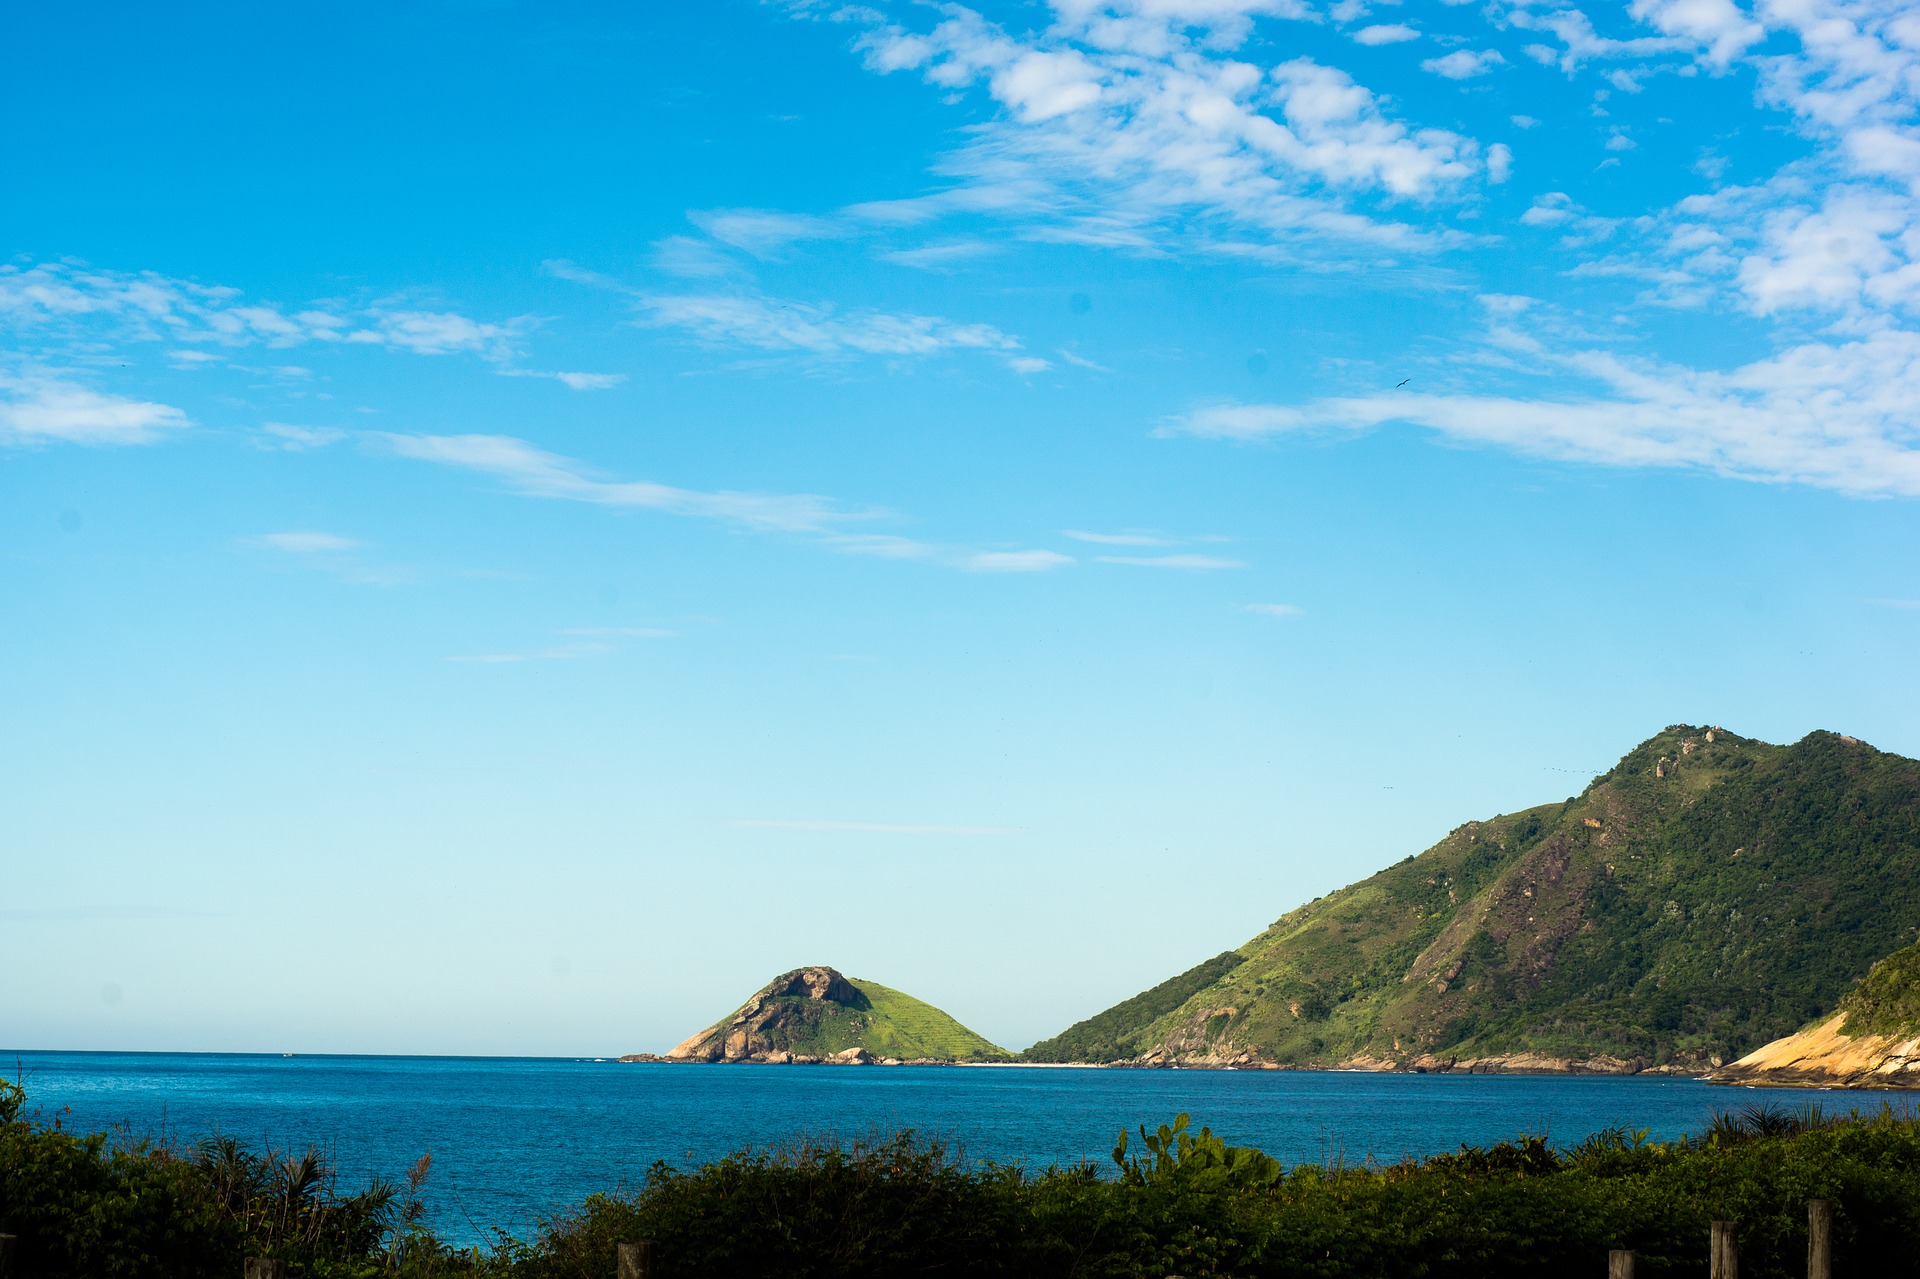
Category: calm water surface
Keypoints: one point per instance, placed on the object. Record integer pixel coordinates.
(515, 1138)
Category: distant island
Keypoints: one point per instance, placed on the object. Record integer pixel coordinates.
(1708, 895)
(815, 1015)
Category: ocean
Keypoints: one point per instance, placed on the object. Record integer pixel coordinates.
(516, 1139)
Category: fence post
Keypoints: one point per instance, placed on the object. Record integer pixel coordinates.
(636, 1260)
(265, 1268)
(1819, 1239)
(1723, 1259)
(1620, 1264)
(6, 1255)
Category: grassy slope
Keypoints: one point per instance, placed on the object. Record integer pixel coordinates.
(1672, 918)
(903, 1026)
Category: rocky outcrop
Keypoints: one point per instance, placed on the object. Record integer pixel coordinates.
(1828, 1057)
(786, 1012)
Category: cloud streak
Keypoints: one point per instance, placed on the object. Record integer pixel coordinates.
(1831, 415)
(533, 471)
(51, 409)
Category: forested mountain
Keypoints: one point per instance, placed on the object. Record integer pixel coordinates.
(1708, 894)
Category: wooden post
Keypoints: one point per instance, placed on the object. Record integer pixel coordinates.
(1819, 1239)
(265, 1268)
(6, 1255)
(636, 1260)
(1723, 1260)
(1620, 1264)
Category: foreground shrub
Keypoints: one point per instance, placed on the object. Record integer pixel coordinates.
(1182, 1203)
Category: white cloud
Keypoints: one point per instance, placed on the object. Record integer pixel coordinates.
(1551, 209)
(1389, 33)
(49, 409)
(1720, 25)
(437, 333)
(940, 257)
(147, 306)
(1832, 415)
(1190, 563)
(762, 232)
(1121, 120)
(298, 439)
(541, 474)
(305, 542)
(573, 381)
(1129, 538)
(775, 325)
(1275, 610)
(537, 473)
(1499, 163)
(1015, 561)
(1464, 64)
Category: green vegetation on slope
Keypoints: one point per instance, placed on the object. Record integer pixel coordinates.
(1708, 894)
(1887, 1001)
(1114, 1035)
(905, 1027)
(818, 1013)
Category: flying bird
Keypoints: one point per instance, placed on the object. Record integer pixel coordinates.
(1402, 382)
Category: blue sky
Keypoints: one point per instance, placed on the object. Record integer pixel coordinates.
(518, 523)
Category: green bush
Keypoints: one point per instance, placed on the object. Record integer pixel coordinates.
(1184, 1203)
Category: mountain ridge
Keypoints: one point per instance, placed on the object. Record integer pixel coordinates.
(1705, 895)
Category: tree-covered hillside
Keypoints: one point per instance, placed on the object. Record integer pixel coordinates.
(1708, 894)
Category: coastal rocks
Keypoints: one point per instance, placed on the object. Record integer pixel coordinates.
(1827, 1057)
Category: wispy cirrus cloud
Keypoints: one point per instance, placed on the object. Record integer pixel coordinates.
(51, 408)
(763, 232)
(50, 304)
(537, 473)
(775, 325)
(1274, 610)
(1831, 415)
(305, 542)
(1128, 537)
(1184, 563)
(746, 317)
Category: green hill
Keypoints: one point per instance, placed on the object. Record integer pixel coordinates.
(815, 1014)
(1887, 1000)
(1707, 895)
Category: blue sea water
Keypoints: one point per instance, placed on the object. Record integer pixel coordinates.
(514, 1139)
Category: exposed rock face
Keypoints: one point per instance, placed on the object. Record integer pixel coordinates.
(1827, 1057)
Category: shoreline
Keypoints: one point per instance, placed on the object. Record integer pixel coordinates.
(1520, 1065)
